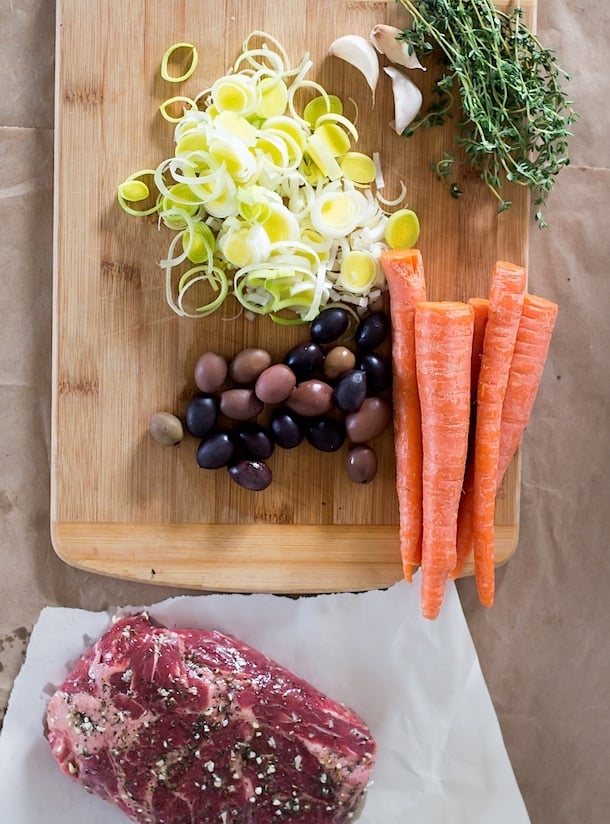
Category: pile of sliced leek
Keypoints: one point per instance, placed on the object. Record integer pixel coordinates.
(268, 200)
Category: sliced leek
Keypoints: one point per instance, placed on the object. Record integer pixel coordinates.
(190, 70)
(402, 229)
(164, 107)
(135, 190)
(266, 194)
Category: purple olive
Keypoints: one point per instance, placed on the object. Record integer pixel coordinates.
(200, 415)
(361, 464)
(215, 450)
(210, 372)
(253, 440)
(350, 391)
(372, 331)
(329, 325)
(325, 434)
(286, 428)
(378, 372)
(369, 421)
(311, 398)
(240, 404)
(252, 475)
(305, 359)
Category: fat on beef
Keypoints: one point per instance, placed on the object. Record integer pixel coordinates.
(188, 726)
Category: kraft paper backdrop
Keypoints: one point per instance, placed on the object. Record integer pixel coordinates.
(545, 647)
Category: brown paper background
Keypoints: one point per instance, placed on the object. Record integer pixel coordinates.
(545, 646)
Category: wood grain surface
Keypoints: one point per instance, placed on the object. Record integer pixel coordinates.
(121, 504)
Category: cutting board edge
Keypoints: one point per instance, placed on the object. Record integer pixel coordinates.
(247, 559)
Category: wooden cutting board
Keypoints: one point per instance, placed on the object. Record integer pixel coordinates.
(122, 505)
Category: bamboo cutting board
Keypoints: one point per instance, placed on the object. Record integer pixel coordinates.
(121, 504)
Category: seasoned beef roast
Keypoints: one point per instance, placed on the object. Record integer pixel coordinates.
(194, 727)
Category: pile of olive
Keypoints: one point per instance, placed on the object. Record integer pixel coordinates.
(323, 392)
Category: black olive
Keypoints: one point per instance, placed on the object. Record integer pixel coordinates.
(253, 440)
(325, 433)
(286, 428)
(329, 325)
(350, 391)
(252, 475)
(305, 359)
(215, 450)
(201, 413)
(378, 372)
(372, 331)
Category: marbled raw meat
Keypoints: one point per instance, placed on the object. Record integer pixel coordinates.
(187, 726)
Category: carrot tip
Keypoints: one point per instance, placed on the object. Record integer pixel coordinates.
(408, 570)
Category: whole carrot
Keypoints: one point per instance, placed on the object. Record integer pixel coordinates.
(464, 526)
(505, 308)
(526, 368)
(531, 350)
(481, 313)
(443, 351)
(404, 273)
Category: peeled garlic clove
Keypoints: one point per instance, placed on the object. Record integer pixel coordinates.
(385, 39)
(360, 53)
(407, 99)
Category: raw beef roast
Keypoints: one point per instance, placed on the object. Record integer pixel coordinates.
(194, 727)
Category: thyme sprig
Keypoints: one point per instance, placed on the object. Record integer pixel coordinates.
(442, 169)
(515, 115)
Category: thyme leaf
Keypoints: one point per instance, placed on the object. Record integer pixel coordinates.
(515, 115)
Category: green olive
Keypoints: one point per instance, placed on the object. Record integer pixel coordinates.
(166, 428)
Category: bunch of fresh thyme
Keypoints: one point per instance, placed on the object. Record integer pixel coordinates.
(515, 115)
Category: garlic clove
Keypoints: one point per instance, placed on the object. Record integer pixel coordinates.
(407, 99)
(385, 40)
(360, 53)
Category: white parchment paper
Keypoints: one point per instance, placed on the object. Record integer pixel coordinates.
(417, 684)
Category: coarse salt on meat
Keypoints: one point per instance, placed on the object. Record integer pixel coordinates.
(187, 726)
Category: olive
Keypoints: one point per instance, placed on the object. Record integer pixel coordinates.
(369, 421)
(247, 365)
(350, 391)
(361, 464)
(310, 398)
(329, 325)
(338, 360)
(325, 434)
(252, 475)
(378, 371)
(372, 331)
(215, 450)
(286, 428)
(166, 428)
(253, 440)
(200, 415)
(210, 372)
(240, 404)
(275, 383)
(304, 359)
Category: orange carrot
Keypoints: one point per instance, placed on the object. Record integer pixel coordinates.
(404, 274)
(505, 309)
(531, 349)
(443, 353)
(481, 312)
(464, 527)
